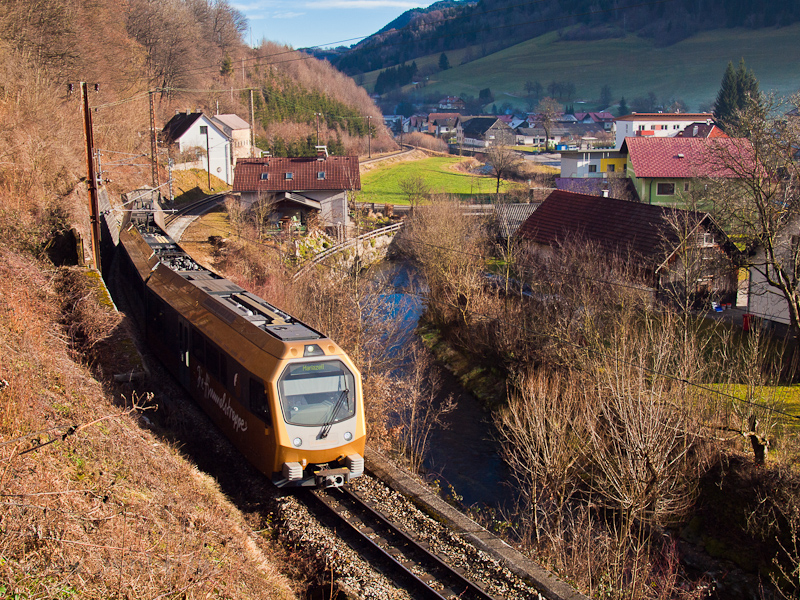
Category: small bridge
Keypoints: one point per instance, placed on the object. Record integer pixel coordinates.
(351, 243)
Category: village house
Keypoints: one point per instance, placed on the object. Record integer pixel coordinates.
(656, 124)
(195, 141)
(415, 123)
(452, 103)
(667, 170)
(442, 125)
(238, 132)
(300, 189)
(655, 240)
(591, 162)
(606, 119)
(484, 132)
(702, 130)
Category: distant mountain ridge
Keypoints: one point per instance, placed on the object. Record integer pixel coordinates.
(493, 25)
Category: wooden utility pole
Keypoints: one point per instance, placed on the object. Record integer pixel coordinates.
(153, 141)
(94, 216)
(252, 127)
(369, 136)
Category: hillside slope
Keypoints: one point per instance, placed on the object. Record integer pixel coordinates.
(631, 66)
(496, 24)
(98, 503)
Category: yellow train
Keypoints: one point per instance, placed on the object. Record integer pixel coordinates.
(287, 396)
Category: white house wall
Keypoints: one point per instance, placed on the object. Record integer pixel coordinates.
(218, 148)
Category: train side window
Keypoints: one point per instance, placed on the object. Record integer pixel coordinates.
(212, 360)
(258, 400)
(223, 369)
(198, 344)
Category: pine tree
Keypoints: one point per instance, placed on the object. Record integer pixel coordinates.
(623, 107)
(739, 87)
(444, 62)
(727, 98)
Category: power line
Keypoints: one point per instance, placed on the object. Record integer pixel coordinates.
(259, 57)
(535, 334)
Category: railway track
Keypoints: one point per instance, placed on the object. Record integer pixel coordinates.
(409, 563)
(176, 223)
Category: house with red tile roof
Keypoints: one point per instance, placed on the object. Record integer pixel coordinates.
(702, 130)
(651, 238)
(452, 103)
(666, 170)
(606, 119)
(300, 187)
(443, 125)
(656, 124)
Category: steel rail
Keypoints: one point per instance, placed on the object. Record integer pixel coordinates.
(399, 549)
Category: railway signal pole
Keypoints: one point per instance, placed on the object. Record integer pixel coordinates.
(153, 141)
(94, 216)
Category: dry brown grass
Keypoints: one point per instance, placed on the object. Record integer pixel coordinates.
(92, 504)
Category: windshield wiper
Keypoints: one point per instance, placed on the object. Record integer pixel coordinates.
(326, 427)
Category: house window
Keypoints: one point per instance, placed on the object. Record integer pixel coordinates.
(290, 176)
(610, 168)
(320, 174)
(592, 168)
(686, 186)
(264, 176)
(665, 189)
(203, 129)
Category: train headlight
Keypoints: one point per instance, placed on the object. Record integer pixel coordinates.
(297, 442)
(348, 436)
(312, 350)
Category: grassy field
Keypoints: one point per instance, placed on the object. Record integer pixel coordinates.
(382, 185)
(785, 398)
(690, 70)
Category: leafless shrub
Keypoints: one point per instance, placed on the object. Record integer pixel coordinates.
(449, 247)
(417, 408)
(423, 140)
(541, 428)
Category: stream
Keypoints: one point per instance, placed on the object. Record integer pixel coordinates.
(463, 454)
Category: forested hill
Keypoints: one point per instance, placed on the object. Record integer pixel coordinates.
(193, 53)
(491, 25)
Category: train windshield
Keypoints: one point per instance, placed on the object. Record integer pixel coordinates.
(317, 393)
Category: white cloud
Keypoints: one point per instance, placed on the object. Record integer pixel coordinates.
(287, 15)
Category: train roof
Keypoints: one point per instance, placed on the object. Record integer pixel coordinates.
(224, 298)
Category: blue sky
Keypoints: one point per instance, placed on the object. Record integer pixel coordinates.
(306, 23)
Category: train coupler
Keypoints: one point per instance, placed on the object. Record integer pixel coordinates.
(327, 478)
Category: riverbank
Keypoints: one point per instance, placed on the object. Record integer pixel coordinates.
(487, 384)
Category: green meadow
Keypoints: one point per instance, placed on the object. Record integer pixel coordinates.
(690, 70)
(382, 184)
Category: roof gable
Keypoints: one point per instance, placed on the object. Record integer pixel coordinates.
(179, 124)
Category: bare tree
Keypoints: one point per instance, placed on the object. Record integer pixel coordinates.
(415, 189)
(548, 111)
(540, 428)
(503, 160)
(260, 213)
(449, 247)
(757, 196)
(417, 407)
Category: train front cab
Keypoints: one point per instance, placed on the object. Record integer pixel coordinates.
(319, 402)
